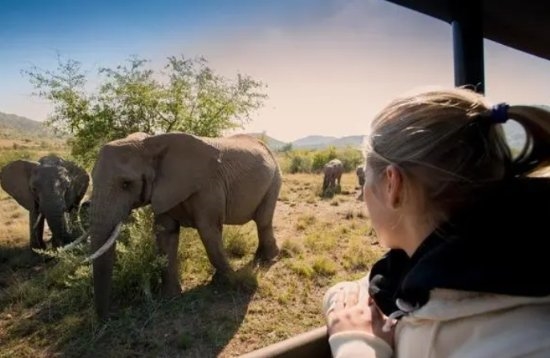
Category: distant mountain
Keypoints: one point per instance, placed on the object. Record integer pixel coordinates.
(271, 142)
(312, 141)
(320, 142)
(349, 141)
(13, 125)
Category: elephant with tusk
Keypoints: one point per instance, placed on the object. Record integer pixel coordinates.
(189, 181)
(50, 189)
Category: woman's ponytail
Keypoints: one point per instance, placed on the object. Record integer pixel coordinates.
(536, 152)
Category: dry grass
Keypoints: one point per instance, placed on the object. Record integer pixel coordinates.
(322, 243)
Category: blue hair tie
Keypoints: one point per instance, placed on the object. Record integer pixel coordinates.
(499, 113)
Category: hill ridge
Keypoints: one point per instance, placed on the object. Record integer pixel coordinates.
(15, 125)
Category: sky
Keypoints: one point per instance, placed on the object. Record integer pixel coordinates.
(330, 65)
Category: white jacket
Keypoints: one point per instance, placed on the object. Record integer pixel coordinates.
(455, 324)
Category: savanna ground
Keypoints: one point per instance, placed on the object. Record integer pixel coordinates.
(46, 306)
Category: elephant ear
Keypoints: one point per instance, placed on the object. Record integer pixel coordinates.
(183, 164)
(15, 180)
(79, 180)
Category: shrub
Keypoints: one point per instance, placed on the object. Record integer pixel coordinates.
(291, 248)
(238, 243)
(359, 256)
(313, 161)
(323, 266)
(138, 267)
(300, 163)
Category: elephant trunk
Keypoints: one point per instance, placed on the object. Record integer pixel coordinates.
(325, 182)
(58, 225)
(52, 207)
(103, 224)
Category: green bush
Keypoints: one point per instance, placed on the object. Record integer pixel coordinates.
(238, 243)
(351, 158)
(313, 161)
(138, 267)
(300, 163)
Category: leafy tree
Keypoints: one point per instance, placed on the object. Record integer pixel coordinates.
(187, 95)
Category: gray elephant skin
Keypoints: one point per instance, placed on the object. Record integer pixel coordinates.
(49, 189)
(332, 172)
(360, 172)
(189, 181)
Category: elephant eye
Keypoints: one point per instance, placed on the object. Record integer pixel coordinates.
(126, 184)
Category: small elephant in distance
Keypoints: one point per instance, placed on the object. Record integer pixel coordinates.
(50, 189)
(360, 172)
(332, 174)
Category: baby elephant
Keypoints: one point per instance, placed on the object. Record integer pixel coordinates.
(50, 189)
(332, 174)
(360, 171)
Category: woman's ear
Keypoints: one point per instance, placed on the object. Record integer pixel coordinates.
(394, 186)
(15, 180)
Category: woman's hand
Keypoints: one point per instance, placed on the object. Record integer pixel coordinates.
(349, 314)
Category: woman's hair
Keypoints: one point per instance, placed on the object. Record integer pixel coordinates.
(448, 144)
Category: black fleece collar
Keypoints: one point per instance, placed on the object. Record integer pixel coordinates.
(499, 244)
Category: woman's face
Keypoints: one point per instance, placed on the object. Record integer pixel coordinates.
(379, 197)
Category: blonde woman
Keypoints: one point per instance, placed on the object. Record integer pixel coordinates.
(466, 274)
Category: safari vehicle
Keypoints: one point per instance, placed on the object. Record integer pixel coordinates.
(517, 24)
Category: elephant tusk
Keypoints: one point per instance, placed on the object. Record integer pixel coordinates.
(76, 242)
(79, 222)
(35, 225)
(107, 245)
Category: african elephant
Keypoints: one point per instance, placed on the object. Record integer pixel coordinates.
(332, 174)
(50, 188)
(360, 171)
(189, 181)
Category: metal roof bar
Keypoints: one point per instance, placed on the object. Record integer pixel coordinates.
(467, 29)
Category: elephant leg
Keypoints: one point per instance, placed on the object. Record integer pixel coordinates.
(267, 244)
(57, 240)
(360, 196)
(36, 230)
(211, 237)
(167, 234)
